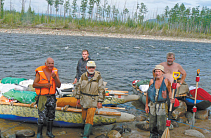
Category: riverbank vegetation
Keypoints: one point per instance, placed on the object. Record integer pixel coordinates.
(99, 16)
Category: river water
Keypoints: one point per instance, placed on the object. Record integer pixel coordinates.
(119, 60)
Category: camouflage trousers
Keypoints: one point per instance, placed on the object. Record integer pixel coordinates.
(157, 117)
(48, 113)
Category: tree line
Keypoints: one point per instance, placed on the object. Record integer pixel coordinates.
(98, 14)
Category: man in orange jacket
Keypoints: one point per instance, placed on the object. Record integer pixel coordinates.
(45, 83)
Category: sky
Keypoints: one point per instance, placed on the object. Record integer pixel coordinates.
(154, 7)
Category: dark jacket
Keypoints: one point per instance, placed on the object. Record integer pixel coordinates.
(81, 67)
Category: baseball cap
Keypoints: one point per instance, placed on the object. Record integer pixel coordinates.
(91, 64)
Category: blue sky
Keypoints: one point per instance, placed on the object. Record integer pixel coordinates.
(154, 6)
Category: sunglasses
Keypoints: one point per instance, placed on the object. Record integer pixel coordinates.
(91, 67)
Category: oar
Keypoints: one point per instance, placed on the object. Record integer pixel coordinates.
(113, 94)
(119, 108)
(194, 107)
(113, 91)
(166, 133)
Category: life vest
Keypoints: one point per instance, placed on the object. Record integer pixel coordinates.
(43, 80)
(152, 92)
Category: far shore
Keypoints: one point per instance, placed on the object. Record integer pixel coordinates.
(98, 34)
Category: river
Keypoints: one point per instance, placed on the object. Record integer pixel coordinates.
(119, 60)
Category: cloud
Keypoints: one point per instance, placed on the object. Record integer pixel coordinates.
(154, 7)
(204, 3)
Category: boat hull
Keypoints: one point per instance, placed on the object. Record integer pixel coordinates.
(200, 104)
(62, 118)
(142, 98)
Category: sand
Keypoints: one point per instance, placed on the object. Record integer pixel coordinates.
(98, 34)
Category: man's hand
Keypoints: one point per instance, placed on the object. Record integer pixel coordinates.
(178, 85)
(147, 109)
(53, 74)
(48, 85)
(78, 102)
(75, 81)
(99, 105)
(172, 100)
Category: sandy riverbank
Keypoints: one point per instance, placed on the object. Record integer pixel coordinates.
(98, 34)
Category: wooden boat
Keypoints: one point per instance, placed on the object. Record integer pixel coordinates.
(65, 117)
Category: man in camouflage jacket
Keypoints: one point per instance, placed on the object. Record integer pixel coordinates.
(90, 93)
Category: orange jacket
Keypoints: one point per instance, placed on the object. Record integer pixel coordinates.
(43, 79)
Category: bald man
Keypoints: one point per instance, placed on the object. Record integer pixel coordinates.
(45, 83)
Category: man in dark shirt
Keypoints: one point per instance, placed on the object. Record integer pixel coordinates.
(81, 66)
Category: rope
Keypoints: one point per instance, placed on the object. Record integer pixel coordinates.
(12, 127)
(192, 126)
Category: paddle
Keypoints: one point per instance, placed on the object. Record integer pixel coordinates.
(166, 133)
(116, 91)
(194, 107)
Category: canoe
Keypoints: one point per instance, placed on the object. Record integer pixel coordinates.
(142, 95)
(200, 104)
(70, 117)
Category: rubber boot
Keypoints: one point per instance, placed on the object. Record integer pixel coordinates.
(153, 135)
(39, 131)
(49, 129)
(87, 130)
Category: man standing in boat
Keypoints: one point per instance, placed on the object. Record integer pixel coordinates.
(81, 66)
(157, 95)
(170, 66)
(45, 83)
(90, 94)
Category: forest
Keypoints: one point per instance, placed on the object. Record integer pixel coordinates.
(99, 16)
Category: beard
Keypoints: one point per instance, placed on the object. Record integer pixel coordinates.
(90, 72)
(169, 63)
(158, 76)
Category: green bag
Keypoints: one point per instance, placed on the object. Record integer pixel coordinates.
(26, 97)
(11, 80)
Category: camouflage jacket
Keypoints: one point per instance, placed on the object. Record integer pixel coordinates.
(90, 92)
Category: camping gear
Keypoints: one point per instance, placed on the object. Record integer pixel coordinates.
(109, 101)
(11, 80)
(194, 107)
(26, 97)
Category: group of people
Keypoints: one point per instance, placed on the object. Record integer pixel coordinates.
(90, 93)
(160, 92)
